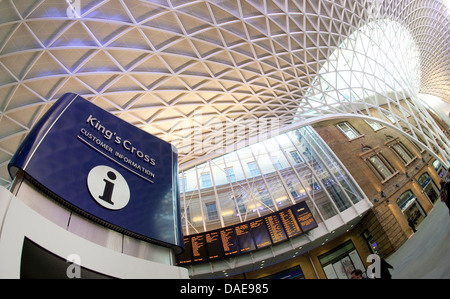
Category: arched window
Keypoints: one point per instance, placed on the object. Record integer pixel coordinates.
(424, 180)
(406, 199)
(411, 208)
(429, 187)
(365, 148)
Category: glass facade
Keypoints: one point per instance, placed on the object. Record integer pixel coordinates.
(264, 177)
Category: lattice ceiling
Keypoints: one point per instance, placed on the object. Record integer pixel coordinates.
(160, 64)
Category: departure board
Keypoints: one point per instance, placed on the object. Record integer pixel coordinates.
(276, 230)
(244, 237)
(199, 248)
(249, 236)
(291, 225)
(228, 237)
(304, 216)
(214, 245)
(260, 233)
(186, 256)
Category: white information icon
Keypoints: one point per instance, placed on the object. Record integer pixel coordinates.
(108, 187)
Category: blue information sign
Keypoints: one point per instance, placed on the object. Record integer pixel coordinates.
(105, 168)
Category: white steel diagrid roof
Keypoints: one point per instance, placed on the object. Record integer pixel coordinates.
(209, 74)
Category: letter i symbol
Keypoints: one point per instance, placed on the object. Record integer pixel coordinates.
(109, 186)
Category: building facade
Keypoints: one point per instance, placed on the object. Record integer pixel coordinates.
(377, 163)
(400, 178)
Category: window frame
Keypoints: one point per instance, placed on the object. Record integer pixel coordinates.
(254, 169)
(206, 183)
(396, 146)
(373, 125)
(211, 215)
(376, 152)
(350, 128)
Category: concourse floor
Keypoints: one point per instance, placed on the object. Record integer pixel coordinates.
(427, 253)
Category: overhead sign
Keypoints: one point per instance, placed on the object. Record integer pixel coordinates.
(249, 236)
(105, 168)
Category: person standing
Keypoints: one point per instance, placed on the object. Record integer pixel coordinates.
(385, 266)
(445, 189)
(411, 224)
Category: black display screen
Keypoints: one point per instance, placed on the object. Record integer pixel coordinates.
(214, 245)
(304, 216)
(244, 237)
(186, 256)
(260, 233)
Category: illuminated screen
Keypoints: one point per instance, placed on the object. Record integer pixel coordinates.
(290, 224)
(304, 216)
(249, 236)
(186, 256)
(198, 248)
(230, 246)
(276, 230)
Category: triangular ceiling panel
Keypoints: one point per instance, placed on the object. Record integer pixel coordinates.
(159, 39)
(127, 59)
(104, 32)
(145, 11)
(71, 84)
(97, 81)
(124, 84)
(111, 11)
(26, 117)
(198, 10)
(6, 76)
(131, 39)
(152, 64)
(24, 8)
(8, 147)
(75, 35)
(210, 35)
(46, 87)
(181, 47)
(24, 40)
(45, 65)
(22, 97)
(149, 80)
(220, 15)
(99, 62)
(48, 31)
(8, 13)
(74, 59)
